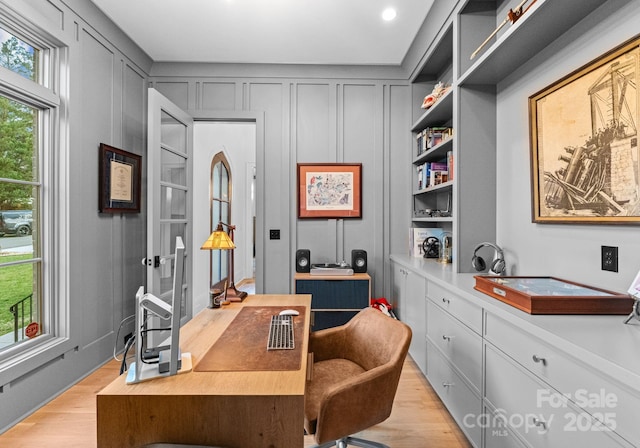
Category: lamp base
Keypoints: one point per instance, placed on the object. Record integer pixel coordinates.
(233, 295)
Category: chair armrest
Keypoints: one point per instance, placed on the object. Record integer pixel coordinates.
(326, 344)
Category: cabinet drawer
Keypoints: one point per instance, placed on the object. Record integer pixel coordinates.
(516, 393)
(461, 402)
(496, 434)
(469, 313)
(596, 393)
(459, 344)
(335, 294)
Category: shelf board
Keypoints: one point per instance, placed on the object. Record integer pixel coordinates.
(438, 114)
(430, 219)
(442, 186)
(540, 26)
(437, 60)
(437, 152)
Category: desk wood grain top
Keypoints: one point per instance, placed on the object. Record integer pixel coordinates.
(199, 334)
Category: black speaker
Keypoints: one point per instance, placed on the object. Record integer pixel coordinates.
(359, 261)
(303, 260)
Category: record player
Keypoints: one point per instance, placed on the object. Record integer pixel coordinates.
(331, 269)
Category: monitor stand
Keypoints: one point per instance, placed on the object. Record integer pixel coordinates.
(150, 371)
(140, 371)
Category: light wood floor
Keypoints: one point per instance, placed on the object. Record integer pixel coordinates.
(419, 418)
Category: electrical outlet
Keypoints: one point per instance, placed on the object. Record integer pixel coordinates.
(609, 258)
(274, 234)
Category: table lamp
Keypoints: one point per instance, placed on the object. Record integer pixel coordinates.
(220, 240)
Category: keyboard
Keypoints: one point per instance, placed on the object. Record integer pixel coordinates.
(281, 333)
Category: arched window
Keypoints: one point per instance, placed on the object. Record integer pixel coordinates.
(220, 209)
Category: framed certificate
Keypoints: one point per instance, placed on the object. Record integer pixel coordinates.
(120, 176)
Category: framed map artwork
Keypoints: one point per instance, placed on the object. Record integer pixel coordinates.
(330, 190)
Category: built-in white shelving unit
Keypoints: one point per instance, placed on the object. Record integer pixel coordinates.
(482, 357)
(469, 108)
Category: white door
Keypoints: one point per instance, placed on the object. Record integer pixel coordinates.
(169, 199)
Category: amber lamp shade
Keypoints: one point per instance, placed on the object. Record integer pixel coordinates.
(221, 240)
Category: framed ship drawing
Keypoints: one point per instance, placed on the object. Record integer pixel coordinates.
(585, 165)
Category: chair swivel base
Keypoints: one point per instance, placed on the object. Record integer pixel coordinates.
(176, 445)
(352, 441)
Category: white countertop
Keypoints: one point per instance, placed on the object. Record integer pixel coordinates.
(601, 341)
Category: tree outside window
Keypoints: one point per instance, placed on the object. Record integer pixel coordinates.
(20, 262)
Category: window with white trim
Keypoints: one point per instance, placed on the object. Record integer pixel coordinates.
(29, 111)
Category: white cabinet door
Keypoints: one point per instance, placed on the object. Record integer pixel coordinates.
(415, 316)
(409, 304)
(396, 299)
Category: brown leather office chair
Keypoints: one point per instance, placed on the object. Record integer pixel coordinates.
(355, 376)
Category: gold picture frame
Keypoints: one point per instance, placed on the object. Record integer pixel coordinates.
(585, 166)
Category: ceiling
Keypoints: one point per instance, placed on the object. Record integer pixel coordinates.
(348, 32)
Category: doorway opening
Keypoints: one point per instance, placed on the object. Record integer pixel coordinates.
(236, 142)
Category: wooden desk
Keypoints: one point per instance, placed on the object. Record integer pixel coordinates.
(228, 409)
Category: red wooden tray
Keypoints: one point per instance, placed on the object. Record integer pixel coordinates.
(551, 295)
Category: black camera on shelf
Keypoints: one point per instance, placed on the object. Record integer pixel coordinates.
(431, 247)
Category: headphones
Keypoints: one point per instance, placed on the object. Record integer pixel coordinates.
(498, 265)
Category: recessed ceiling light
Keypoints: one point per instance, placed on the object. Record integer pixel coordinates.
(389, 14)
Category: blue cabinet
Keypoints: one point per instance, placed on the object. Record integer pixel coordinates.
(334, 299)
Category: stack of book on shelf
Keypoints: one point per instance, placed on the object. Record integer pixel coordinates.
(431, 174)
(431, 137)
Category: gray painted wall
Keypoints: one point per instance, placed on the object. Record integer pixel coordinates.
(307, 120)
(106, 103)
(566, 251)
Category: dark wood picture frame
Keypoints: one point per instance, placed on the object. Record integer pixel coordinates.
(329, 190)
(119, 180)
(585, 166)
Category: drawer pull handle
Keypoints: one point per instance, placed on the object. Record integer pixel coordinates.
(445, 300)
(536, 358)
(445, 384)
(539, 423)
(446, 338)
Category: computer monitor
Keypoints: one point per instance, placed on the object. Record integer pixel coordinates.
(176, 305)
(147, 302)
